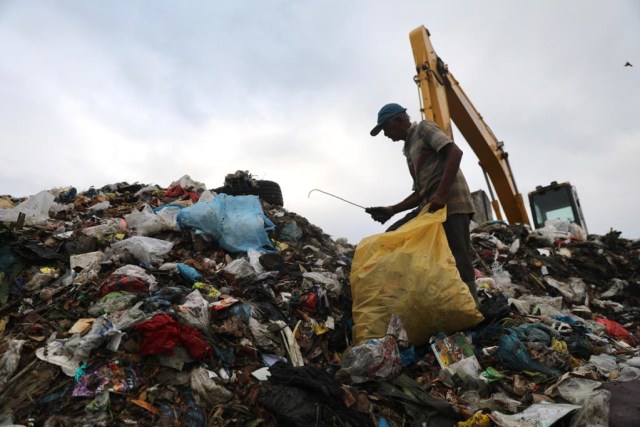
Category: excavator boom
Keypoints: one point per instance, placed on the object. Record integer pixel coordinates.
(443, 100)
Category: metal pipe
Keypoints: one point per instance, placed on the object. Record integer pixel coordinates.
(337, 197)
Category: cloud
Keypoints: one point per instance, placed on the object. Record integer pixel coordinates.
(95, 93)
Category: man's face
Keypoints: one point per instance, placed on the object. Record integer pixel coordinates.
(393, 129)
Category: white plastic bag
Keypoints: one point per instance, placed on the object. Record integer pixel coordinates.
(195, 311)
(36, 209)
(207, 391)
(144, 222)
(10, 360)
(147, 250)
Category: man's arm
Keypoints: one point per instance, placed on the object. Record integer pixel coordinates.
(410, 202)
(452, 155)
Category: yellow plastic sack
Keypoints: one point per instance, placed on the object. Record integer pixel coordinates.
(410, 272)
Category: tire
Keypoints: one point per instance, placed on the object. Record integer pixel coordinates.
(269, 191)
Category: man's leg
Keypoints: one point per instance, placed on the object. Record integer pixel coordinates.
(456, 228)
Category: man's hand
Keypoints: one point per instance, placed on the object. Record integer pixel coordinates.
(437, 202)
(381, 213)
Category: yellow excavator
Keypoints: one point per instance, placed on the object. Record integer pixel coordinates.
(442, 100)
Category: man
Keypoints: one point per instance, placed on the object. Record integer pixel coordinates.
(434, 163)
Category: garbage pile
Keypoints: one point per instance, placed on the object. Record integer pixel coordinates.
(140, 305)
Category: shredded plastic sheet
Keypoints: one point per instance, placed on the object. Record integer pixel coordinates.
(70, 353)
(145, 222)
(514, 355)
(237, 223)
(10, 360)
(377, 357)
(147, 250)
(410, 272)
(195, 311)
(536, 415)
(36, 209)
(208, 392)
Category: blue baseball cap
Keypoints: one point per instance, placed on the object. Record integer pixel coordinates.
(385, 113)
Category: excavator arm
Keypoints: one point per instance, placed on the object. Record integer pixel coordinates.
(442, 100)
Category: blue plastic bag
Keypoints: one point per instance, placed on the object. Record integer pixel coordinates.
(514, 355)
(189, 273)
(237, 223)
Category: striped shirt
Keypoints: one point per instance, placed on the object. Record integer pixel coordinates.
(424, 142)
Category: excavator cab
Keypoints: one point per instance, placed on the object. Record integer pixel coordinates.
(556, 201)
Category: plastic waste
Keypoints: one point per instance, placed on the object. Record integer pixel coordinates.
(54, 353)
(41, 278)
(491, 374)
(577, 390)
(138, 272)
(573, 292)
(99, 377)
(540, 306)
(168, 214)
(195, 311)
(455, 354)
(113, 301)
(594, 411)
(237, 223)
(616, 287)
(290, 344)
(604, 363)
(81, 261)
(478, 419)
(147, 250)
(290, 232)
(595, 406)
(145, 222)
(254, 260)
(99, 207)
(10, 360)
(327, 279)
(410, 272)
(189, 273)
(377, 357)
(89, 265)
(240, 271)
(577, 232)
(36, 210)
(100, 403)
(189, 184)
(503, 283)
(496, 402)
(110, 226)
(515, 356)
(536, 415)
(70, 353)
(616, 329)
(117, 283)
(206, 195)
(124, 319)
(208, 392)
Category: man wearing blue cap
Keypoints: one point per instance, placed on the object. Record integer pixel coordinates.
(434, 163)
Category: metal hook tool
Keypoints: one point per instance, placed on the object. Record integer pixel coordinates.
(333, 195)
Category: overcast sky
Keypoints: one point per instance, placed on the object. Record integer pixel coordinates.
(96, 92)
